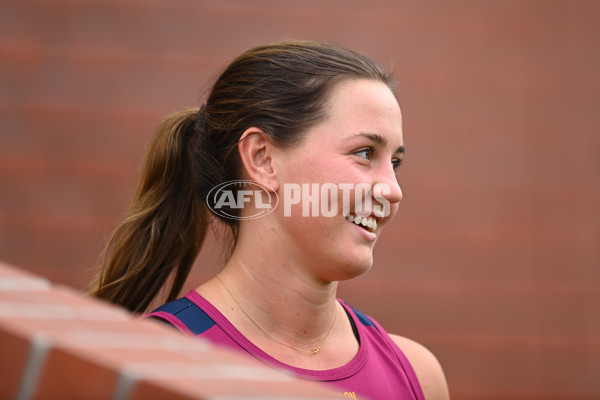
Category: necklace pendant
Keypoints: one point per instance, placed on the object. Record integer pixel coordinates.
(315, 350)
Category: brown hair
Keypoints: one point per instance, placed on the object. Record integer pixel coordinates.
(282, 89)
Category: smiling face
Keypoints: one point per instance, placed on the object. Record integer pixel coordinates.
(359, 143)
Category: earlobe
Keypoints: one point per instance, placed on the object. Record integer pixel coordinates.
(256, 150)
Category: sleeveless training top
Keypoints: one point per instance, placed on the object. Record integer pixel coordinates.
(378, 371)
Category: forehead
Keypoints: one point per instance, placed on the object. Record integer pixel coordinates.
(365, 106)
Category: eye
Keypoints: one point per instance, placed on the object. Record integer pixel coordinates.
(396, 162)
(366, 153)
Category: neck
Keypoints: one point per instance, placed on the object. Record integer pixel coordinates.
(281, 297)
(278, 289)
(285, 298)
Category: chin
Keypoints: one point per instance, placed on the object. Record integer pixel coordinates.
(355, 268)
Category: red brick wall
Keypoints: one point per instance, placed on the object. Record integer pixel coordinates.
(494, 259)
(56, 344)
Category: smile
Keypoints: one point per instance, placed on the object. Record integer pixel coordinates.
(368, 223)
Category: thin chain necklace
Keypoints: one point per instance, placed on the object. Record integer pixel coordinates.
(314, 350)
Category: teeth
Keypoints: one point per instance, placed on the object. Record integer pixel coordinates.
(367, 222)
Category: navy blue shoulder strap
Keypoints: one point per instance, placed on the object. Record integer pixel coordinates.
(189, 314)
(364, 320)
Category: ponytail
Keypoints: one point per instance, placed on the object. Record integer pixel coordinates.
(166, 223)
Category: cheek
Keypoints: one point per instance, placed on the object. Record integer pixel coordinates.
(304, 171)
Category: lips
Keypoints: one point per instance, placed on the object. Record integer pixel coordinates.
(368, 223)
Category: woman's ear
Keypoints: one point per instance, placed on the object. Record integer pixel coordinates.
(256, 152)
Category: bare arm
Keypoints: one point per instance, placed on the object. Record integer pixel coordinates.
(426, 366)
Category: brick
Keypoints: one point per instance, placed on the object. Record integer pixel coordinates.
(233, 389)
(14, 349)
(59, 344)
(69, 376)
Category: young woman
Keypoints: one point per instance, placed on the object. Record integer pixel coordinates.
(319, 127)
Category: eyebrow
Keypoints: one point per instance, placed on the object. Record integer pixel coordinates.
(379, 140)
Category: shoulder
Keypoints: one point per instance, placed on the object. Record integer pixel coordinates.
(426, 366)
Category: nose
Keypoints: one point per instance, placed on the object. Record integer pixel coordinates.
(389, 179)
(395, 195)
(387, 190)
